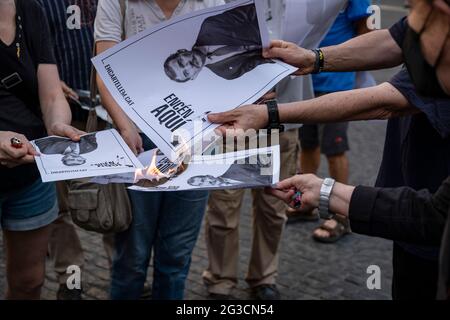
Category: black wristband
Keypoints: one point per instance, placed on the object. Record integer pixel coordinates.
(320, 61)
(274, 116)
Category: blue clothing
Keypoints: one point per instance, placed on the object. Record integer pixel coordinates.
(167, 223)
(342, 30)
(73, 46)
(30, 208)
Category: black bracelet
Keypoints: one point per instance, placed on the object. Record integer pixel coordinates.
(320, 61)
(274, 117)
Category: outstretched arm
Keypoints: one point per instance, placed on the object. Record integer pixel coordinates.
(370, 51)
(379, 102)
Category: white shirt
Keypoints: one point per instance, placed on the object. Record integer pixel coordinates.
(140, 15)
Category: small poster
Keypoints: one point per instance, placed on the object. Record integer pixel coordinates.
(96, 154)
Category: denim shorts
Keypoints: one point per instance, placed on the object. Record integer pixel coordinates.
(29, 208)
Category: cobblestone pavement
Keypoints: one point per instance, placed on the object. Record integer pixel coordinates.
(307, 270)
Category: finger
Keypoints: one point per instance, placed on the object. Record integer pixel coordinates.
(222, 117)
(276, 53)
(286, 184)
(276, 43)
(72, 133)
(13, 153)
(269, 96)
(27, 159)
(31, 150)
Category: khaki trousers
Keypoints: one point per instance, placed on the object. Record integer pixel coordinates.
(222, 229)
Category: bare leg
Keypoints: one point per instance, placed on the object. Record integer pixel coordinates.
(310, 160)
(25, 262)
(338, 167)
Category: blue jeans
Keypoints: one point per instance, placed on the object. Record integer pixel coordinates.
(167, 223)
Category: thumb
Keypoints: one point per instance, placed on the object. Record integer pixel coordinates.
(73, 133)
(222, 117)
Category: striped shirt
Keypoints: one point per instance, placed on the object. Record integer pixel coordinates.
(72, 27)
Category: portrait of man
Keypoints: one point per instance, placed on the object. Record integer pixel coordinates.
(250, 172)
(229, 44)
(70, 150)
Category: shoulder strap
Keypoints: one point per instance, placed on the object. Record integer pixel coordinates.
(91, 124)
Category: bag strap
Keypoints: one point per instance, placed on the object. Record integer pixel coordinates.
(92, 122)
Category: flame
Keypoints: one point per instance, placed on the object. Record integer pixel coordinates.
(152, 173)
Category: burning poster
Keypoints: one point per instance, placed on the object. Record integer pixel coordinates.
(170, 77)
(234, 170)
(96, 154)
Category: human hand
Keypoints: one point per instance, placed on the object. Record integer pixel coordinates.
(132, 139)
(292, 54)
(68, 91)
(65, 130)
(12, 157)
(308, 184)
(236, 121)
(268, 96)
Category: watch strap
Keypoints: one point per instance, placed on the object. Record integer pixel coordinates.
(274, 116)
(324, 201)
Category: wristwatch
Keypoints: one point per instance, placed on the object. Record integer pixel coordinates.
(274, 117)
(324, 202)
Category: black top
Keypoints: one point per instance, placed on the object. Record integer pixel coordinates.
(398, 31)
(19, 107)
(417, 148)
(406, 215)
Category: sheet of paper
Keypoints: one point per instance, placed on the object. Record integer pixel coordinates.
(236, 170)
(96, 154)
(170, 77)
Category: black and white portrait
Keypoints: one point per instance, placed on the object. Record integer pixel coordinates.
(243, 172)
(95, 154)
(229, 44)
(171, 76)
(71, 151)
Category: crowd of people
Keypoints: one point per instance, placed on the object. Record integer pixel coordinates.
(46, 69)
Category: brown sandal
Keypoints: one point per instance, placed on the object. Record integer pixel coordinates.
(342, 228)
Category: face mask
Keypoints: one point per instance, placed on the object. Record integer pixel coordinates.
(422, 73)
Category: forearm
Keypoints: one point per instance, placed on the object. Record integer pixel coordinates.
(398, 214)
(54, 106)
(116, 113)
(340, 198)
(380, 102)
(371, 51)
(55, 111)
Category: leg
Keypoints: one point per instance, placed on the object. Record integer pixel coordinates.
(133, 247)
(178, 229)
(64, 246)
(310, 150)
(222, 240)
(309, 163)
(269, 217)
(334, 146)
(25, 262)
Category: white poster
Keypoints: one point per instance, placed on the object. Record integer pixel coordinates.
(170, 77)
(235, 170)
(96, 154)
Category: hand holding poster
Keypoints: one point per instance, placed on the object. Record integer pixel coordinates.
(96, 154)
(168, 78)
